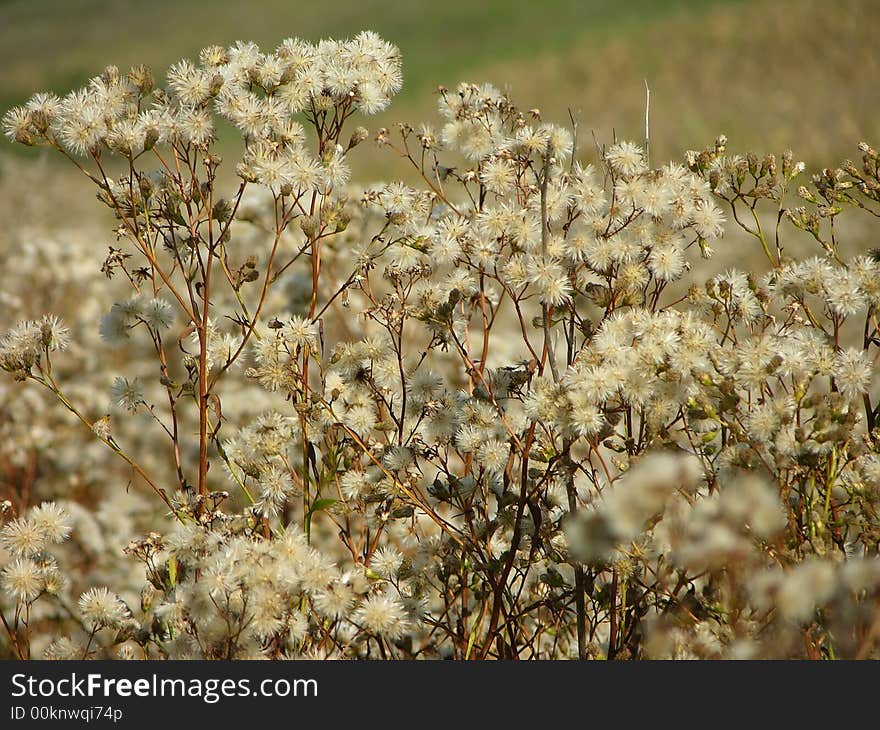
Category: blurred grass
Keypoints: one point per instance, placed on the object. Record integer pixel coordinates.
(772, 74)
(59, 43)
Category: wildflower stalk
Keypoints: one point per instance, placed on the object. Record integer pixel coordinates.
(763, 239)
(307, 502)
(49, 383)
(92, 633)
(12, 633)
(447, 527)
(830, 478)
(579, 576)
(143, 245)
(501, 580)
(203, 389)
(613, 618)
(549, 352)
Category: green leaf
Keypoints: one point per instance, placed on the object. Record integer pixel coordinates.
(322, 504)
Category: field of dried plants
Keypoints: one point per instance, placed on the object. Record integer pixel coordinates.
(299, 364)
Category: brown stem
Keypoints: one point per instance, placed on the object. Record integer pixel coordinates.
(612, 633)
(498, 593)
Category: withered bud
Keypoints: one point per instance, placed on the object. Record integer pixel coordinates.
(141, 77)
(46, 334)
(714, 179)
(214, 55)
(245, 172)
(151, 136)
(39, 121)
(868, 150)
(25, 137)
(111, 75)
(752, 160)
(216, 84)
(787, 158)
(357, 136)
(145, 185)
(804, 193)
(222, 210)
(310, 225)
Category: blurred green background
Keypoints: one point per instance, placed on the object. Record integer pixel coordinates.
(771, 74)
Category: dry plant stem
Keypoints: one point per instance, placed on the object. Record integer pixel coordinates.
(449, 529)
(307, 506)
(501, 583)
(579, 578)
(612, 632)
(267, 281)
(12, 632)
(172, 407)
(166, 374)
(545, 235)
(204, 385)
(147, 250)
(49, 383)
(315, 246)
(143, 246)
(566, 449)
